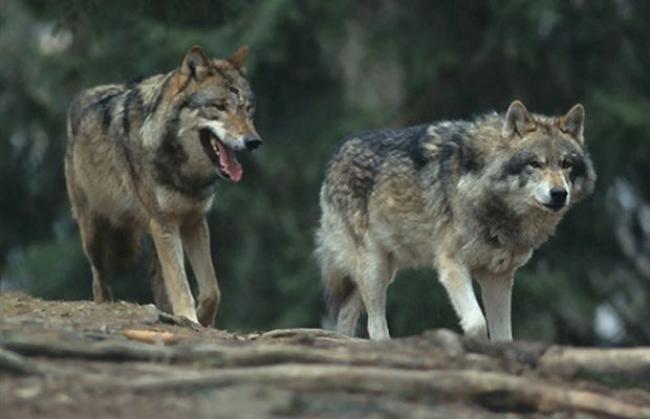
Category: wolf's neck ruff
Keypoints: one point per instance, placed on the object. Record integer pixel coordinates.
(502, 227)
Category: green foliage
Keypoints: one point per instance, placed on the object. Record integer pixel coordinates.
(321, 70)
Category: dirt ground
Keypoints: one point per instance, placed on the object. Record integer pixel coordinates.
(84, 360)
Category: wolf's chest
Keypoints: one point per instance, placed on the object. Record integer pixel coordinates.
(173, 202)
(486, 258)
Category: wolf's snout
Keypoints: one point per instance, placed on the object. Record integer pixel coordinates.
(558, 195)
(252, 142)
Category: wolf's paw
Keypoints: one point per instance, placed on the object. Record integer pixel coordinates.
(206, 309)
(168, 318)
(477, 331)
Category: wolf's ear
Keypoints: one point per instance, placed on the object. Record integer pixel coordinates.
(195, 64)
(573, 123)
(517, 121)
(237, 59)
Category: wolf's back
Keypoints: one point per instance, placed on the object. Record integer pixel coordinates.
(351, 172)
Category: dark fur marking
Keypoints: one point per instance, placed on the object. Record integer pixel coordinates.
(578, 166)
(104, 106)
(222, 74)
(169, 159)
(192, 68)
(416, 153)
(468, 159)
(133, 101)
(446, 172)
(518, 162)
(170, 149)
(498, 221)
(195, 101)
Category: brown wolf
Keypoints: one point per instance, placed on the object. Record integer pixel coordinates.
(472, 199)
(146, 158)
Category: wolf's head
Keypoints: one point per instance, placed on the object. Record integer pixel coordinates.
(216, 107)
(547, 167)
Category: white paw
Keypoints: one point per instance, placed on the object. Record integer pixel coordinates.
(476, 329)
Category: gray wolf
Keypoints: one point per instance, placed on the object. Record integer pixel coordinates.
(145, 158)
(472, 199)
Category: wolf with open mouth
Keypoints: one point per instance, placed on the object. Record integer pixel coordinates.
(145, 158)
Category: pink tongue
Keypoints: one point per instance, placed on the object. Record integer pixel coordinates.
(229, 162)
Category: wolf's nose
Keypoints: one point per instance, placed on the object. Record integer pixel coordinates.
(252, 142)
(558, 196)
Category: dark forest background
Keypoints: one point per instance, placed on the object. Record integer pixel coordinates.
(321, 69)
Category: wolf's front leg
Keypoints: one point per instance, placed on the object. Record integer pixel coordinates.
(196, 241)
(456, 279)
(170, 251)
(497, 295)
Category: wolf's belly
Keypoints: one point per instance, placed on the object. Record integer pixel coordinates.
(410, 241)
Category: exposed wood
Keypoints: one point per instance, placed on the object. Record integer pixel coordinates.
(149, 336)
(630, 362)
(495, 390)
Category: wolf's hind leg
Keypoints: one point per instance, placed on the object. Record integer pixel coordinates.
(196, 241)
(95, 239)
(456, 279)
(374, 274)
(157, 283)
(348, 317)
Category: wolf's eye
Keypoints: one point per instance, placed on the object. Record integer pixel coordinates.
(535, 164)
(567, 164)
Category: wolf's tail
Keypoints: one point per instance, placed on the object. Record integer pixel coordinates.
(337, 289)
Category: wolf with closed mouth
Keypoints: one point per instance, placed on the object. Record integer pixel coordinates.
(471, 199)
(146, 158)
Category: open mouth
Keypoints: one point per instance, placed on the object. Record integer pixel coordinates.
(223, 157)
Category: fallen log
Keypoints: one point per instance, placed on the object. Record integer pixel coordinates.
(568, 361)
(497, 391)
